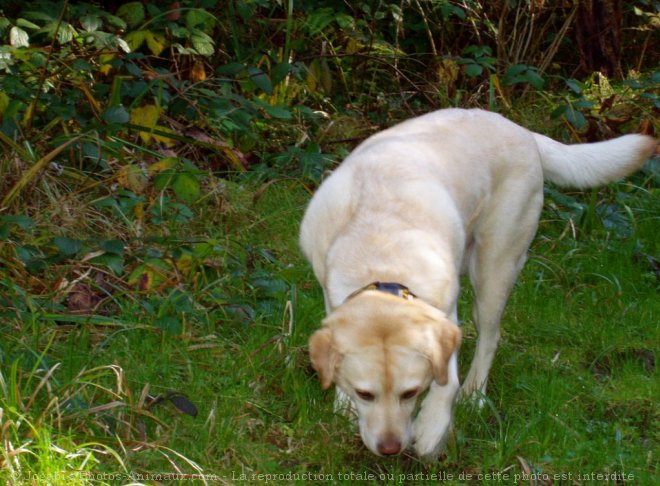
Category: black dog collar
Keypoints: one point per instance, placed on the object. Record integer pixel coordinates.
(387, 287)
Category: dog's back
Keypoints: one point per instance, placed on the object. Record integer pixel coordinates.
(453, 149)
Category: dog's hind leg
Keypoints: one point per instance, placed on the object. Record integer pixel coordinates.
(499, 254)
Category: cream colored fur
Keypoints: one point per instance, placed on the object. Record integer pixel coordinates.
(449, 192)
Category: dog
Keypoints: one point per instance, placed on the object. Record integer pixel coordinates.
(388, 235)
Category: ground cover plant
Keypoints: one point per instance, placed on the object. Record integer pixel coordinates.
(154, 306)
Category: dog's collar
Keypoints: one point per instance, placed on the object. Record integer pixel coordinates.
(387, 287)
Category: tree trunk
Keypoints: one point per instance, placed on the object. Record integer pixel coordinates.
(598, 36)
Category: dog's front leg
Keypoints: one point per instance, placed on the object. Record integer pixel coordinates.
(435, 416)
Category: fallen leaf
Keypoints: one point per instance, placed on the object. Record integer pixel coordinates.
(198, 73)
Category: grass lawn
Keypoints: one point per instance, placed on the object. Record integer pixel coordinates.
(203, 373)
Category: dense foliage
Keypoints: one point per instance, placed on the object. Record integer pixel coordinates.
(136, 108)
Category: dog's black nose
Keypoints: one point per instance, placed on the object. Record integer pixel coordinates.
(389, 447)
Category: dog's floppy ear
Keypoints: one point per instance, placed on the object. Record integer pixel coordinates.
(323, 356)
(446, 340)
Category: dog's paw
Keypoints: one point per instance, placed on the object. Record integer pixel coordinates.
(476, 398)
(428, 443)
(344, 406)
(430, 437)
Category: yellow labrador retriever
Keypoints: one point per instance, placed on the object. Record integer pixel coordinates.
(391, 230)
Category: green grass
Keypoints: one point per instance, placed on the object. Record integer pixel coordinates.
(572, 392)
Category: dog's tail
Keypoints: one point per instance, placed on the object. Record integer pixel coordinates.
(592, 164)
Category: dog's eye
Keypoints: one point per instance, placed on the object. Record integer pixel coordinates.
(365, 395)
(408, 394)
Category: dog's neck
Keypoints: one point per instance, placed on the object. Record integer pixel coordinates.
(409, 257)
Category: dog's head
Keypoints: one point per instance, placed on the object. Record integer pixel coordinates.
(383, 352)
